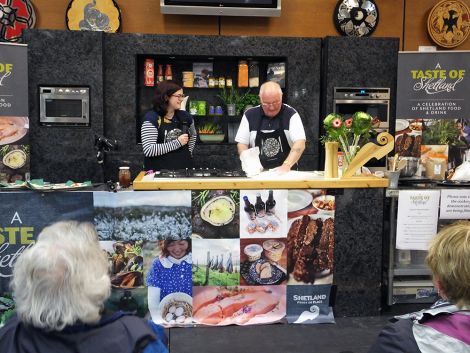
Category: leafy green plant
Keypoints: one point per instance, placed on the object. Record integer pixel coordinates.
(209, 128)
(441, 132)
(245, 100)
(229, 95)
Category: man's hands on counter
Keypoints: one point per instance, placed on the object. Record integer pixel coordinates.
(283, 169)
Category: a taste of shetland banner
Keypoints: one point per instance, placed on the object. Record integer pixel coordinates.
(24, 215)
(13, 79)
(433, 85)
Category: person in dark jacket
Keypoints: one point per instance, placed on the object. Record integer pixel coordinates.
(60, 285)
(445, 327)
(168, 132)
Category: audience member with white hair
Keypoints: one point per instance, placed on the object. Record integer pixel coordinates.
(60, 286)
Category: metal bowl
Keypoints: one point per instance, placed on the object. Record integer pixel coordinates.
(410, 168)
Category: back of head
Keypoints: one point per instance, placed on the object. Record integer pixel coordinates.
(63, 278)
(449, 261)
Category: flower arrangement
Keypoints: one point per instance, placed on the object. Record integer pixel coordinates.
(351, 134)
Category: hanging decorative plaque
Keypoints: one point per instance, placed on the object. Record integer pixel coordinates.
(356, 18)
(93, 15)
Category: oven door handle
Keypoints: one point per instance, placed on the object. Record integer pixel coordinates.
(364, 101)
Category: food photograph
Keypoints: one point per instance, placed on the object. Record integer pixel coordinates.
(239, 305)
(215, 213)
(310, 239)
(263, 213)
(263, 261)
(216, 262)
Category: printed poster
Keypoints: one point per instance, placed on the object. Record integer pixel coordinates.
(14, 121)
(417, 218)
(22, 221)
(147, 238)
(433, 85)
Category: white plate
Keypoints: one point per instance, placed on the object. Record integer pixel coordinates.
(324, 198)
(401, 124)
(298, 199)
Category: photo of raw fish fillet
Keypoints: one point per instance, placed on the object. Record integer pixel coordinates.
(238, 305)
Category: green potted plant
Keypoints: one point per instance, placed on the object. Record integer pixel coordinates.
(246, 101)
(230, 97)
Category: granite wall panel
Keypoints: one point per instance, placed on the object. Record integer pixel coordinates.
(65, 58)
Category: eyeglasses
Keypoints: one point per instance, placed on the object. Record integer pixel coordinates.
(179, 96)
(274, 104)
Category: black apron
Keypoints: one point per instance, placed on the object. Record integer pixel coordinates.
(273, 146)
(177, 159)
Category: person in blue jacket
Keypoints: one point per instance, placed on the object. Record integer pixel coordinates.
(60, 286)
(445, 327)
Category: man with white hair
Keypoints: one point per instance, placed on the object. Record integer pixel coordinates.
(274, 127)
(60, 285)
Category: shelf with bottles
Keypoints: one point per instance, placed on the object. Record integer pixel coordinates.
(222, 66)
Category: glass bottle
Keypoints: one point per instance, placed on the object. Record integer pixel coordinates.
(253, 74)
(249, 208)
(221, 82)
(168, 72)
(260, 206)
(160, 73)
(211, 80)
(270, 204)
(242, 74)
(228, 82)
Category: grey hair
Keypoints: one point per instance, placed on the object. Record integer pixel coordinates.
(270, 86)
(62, 279)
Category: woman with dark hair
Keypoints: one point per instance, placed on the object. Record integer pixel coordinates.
(170, 272)
(168, 133)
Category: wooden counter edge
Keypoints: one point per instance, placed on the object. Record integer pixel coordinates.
(249, 183)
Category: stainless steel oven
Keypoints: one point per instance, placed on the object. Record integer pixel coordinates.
(374, 101)
(69, 106)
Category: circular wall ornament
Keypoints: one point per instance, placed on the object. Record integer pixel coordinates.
(449, 23)
(15, 15)
(93, 15)
(356, 18)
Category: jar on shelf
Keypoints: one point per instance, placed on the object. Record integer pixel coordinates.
(188, 79)
(124, 177)
(242, 74)
(228, 82)
(253, 73)
(211, 81)
(221, 82)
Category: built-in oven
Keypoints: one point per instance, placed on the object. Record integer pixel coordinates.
(374, 101)
(69, 106)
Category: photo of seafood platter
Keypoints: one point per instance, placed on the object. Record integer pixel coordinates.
(238, 305)
(263, 261)
(215, 213)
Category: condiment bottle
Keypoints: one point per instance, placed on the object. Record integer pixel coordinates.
(211, 80)
(160, 73)
(168, 72)
(242, 74)
(221, 82)
(228, 82)
(124, 177)
(253, 74)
